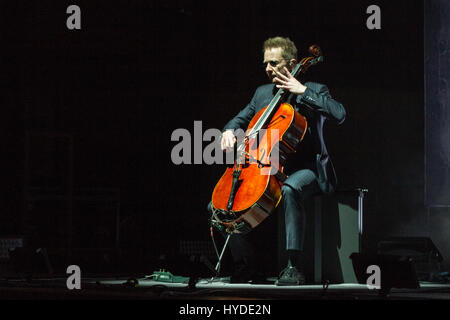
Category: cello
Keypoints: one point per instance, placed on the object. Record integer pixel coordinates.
(247, 194)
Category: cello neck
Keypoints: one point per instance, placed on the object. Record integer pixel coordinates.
(301, 67)
(275, 103)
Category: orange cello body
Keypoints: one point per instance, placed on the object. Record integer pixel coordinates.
(258, 193)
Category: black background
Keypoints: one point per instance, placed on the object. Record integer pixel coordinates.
(138, 70)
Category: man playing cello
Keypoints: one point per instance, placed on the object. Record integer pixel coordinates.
(309, 171)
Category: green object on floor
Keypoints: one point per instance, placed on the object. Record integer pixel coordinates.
(166, 276)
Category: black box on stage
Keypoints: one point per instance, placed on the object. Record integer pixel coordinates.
(395, 271)
(422, 251)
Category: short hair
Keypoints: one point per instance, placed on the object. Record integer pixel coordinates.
(289, 48)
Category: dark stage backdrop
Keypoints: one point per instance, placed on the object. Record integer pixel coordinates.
(114, 91)
(437, 116)
(437, 111)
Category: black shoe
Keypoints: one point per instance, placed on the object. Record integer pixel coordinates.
(250, 279)
(242, 275)
(240, 279)
(243, 272)
(260, 278)
(290, 276)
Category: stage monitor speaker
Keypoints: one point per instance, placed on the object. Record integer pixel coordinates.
(30, 261)
(422, 251)
(395, 271)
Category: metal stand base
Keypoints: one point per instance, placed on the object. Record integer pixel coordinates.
(361, 192)
(221, 256)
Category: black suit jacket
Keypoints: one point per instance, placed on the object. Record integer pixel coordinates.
(317, 105)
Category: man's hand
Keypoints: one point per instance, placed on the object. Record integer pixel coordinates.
(288, 82)
(228, 140)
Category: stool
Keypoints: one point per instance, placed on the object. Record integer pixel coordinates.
(334, 230)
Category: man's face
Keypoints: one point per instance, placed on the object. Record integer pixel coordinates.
(274, 61)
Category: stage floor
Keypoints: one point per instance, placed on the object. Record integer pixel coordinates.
(204, 289)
